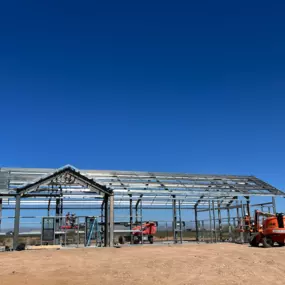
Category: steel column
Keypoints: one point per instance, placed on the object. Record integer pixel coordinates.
(111, 220)
(61, 207)
(180, 222)
(136, 209)
(203, 231)
(141, 220)
(229, 223)
(196, 224)
(0, 212)
(131, 219)
(174, 219)
(214, 220)
(248, 205)
(57, 213)
(17, 221)
(102, 226)
(210, 220)
(242, 222)
(238, 216)
(220, 221)
(274, 205)
(106, 228)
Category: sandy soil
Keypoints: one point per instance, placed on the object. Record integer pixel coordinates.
(187, 264)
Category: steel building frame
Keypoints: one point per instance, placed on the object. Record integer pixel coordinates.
(128, 189)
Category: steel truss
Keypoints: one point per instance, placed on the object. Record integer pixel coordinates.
(124, 189)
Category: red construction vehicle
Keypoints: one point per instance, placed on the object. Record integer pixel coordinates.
(144, 232)
(70, 222)
(268, 232)
(147, 231)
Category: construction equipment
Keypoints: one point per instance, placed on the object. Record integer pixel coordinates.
(141, 233)
(268, 232)
(70, 222)
(147, 230)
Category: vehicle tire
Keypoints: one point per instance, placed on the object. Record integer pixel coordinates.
(21, 247)
(254, 242)
(150, 239)
(281, 243)
(121, 240)
(136, 240)
(267, 242)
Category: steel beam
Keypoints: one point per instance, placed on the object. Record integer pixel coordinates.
(222, 208)
(197, 203)
(261, 204)
(17, 222)
(65, 174)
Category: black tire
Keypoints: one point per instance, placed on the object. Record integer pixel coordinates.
(121, 240)
(254, 242)
(150, 239)
(136, 240)
(267, 242)
(21, 247)
(281, 243)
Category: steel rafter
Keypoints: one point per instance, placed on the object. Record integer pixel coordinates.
(156, 188)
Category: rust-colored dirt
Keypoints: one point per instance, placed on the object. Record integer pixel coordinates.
(187, 264)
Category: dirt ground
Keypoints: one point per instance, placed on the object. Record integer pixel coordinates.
(180, 264)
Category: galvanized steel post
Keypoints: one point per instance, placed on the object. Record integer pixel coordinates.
(111, 220)
(196, 223)
(106, 228)
(17, 221)
(174, 219)
(131, 219)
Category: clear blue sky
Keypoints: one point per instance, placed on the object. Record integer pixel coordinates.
(187, 86)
